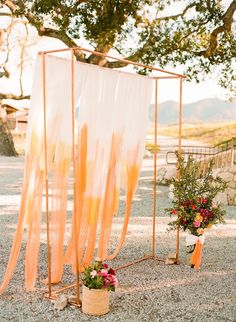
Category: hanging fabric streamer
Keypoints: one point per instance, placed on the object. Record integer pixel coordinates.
(111, 115)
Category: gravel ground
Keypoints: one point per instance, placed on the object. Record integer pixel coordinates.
(148, 291)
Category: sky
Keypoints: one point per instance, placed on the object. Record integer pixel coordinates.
(168, 89)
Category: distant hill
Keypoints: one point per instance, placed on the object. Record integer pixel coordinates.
(207, 110)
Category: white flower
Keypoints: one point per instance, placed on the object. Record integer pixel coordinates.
(171, 187)
(93, 273)
(214, 204)
(98, 259)
(201, 181)
(171, 195)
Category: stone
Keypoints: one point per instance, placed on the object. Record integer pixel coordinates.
(217, 172)
(159, 179)
(171, 259)
(72, 298)
(231, 194)
(221, 198)
(232, 170)
(227, 176)
(147, 154)
(172, 255)
(161, 171)
(232, 184)
(61, 303)
(171, 172)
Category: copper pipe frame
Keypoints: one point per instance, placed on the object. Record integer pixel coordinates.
(155, 172)
(116, 269)
(74, 177)
(46, 177)
(128, 62)
(179, 160)
(173, 76)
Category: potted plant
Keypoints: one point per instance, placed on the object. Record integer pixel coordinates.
(98, 279)
(193, 204)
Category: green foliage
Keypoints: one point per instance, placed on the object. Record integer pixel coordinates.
(98, 276)
(200, 36)
(151, 147)
(193, 198)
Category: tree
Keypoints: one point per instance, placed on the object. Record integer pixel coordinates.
(8, 45)
(201, 36)
(6, 141)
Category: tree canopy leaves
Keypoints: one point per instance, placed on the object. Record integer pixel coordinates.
(200, 35)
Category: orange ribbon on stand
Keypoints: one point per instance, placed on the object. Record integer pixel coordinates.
(196, 257)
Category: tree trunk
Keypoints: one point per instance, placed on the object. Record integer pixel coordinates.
(7, 147)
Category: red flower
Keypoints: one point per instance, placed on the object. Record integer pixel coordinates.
(111, 271)
(105, 266)
(186, 204)
(174, 212)
(204, 201)
(182, 221)
(194, 207)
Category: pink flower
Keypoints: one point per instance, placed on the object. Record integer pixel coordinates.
(103, 273)
(196, 224)
(115, 281)
(108, 280)
(204, 201)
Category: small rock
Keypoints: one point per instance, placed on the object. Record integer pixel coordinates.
(227, 176)
(147, 154)
(221, 198)
(72, 298)
(170, 261)
(171, 172)
(61, 303)
(171, 256)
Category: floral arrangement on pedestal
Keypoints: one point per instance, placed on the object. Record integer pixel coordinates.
(98, 275)
(98, 279)
(193, 204)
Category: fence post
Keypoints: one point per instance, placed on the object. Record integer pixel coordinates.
(232, 153)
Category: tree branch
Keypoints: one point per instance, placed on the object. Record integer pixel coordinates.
(22, 58)
(99, 60)
(135, 57)
(4, 14)
(177, 15)
(14, 97)
(5, 72)
(43, 31)
(226, 27)
(53, 33)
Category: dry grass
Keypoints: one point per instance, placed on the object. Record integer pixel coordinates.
(210, 133)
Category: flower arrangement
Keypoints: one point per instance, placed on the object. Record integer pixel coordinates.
(99, 276)
(193, 204)
(193, 198)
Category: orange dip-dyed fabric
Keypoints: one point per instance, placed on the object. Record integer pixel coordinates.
(111, 114)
